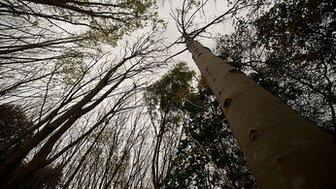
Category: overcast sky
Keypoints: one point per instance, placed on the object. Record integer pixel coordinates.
(212, 9)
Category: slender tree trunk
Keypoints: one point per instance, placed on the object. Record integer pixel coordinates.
(10, 165)
(282, 149)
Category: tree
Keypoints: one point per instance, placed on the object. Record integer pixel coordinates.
(13, 122)
(289, 51)
(75, 80)
(38, 44)
(55, 124)
(202, 139)
(274, 138)
(116, 155)
(207, 156)
(164, 101)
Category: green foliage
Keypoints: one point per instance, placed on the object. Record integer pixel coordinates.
(170, 90)
(71, 65)
(97, 38)
(208, 146)
(207, 143)
(48, 177)
(13, 123)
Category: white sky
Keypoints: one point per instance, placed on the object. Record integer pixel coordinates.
(212, 9)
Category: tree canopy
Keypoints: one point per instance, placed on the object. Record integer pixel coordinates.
(86, 100)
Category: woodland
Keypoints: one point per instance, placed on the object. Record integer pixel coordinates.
(98, 94)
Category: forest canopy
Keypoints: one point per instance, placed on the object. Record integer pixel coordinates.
(106, 94)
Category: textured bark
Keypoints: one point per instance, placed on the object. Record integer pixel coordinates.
(282, 149)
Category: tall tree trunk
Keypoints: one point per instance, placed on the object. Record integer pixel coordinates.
(283, 150)
(10, 165)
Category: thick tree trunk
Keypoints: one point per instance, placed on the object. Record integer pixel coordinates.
(282, 149)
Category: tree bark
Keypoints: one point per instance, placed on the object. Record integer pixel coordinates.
(282, 149)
